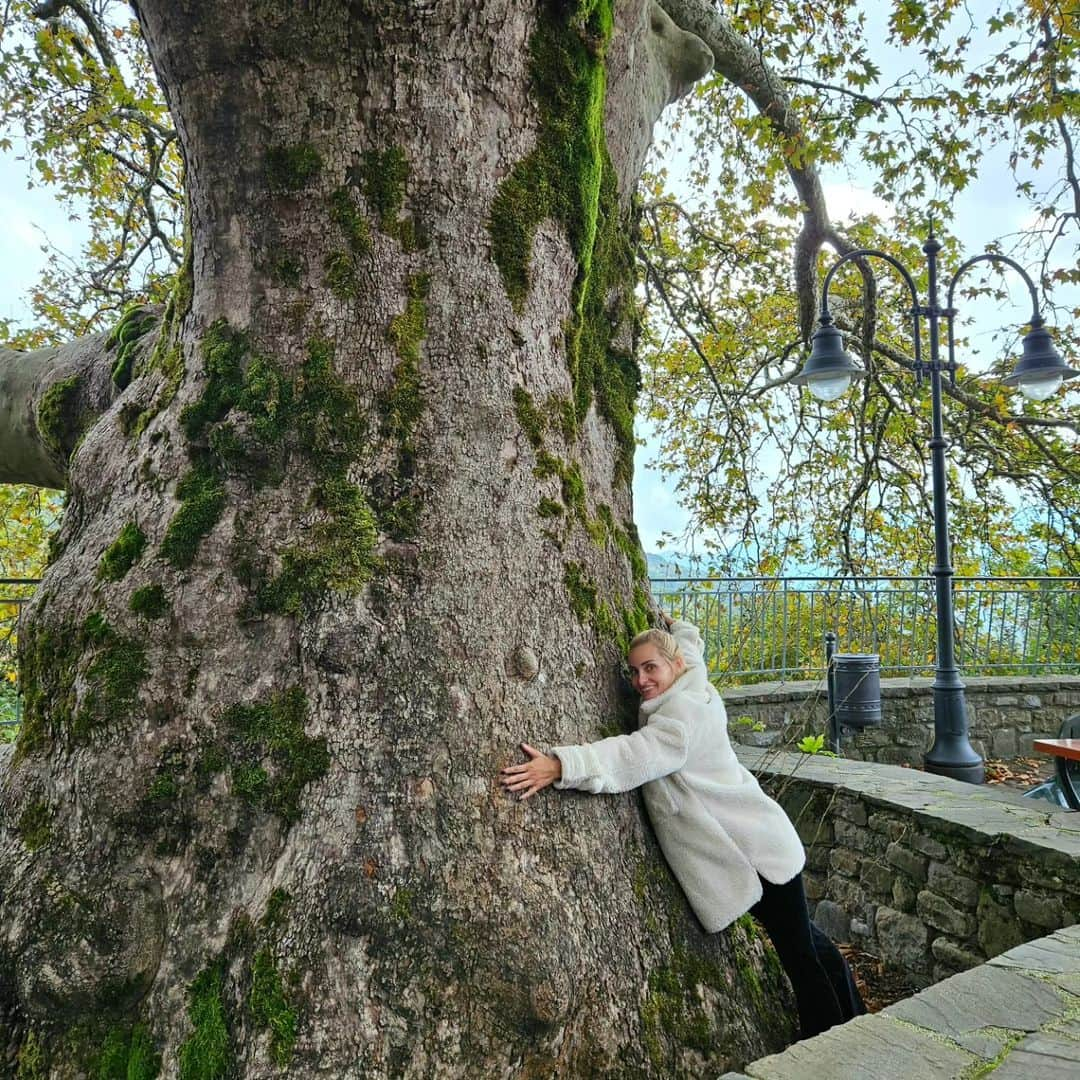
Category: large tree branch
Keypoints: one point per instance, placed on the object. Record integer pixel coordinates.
(739, 63)
(50, 397)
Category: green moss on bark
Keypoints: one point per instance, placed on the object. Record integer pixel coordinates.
(134, 324)
(35, 825)
(341, 275)
(122, 554)
(382, 178)
(128, 1054)
(346, 215)
(207, 1054)
(340, 552)
(58, 416)
(270, 737)
(113, 676)
(270, 1007)
(292, 168)
(568, 178)
(201, 492)
(32, 1061)
(150, 601)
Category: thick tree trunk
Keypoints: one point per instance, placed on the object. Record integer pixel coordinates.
(359, 523)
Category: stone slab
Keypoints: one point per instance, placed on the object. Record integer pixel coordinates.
(963, 1007)
(1046, 1055)
(866, 1048)
(1057, 953)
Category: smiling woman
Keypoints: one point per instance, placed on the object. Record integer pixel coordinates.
(731, 848)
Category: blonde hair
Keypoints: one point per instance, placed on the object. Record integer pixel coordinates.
(665, 644)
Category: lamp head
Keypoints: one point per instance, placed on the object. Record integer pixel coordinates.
(828, 370)
(1040, 369)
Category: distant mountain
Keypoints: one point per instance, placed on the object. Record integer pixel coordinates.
(675, 565)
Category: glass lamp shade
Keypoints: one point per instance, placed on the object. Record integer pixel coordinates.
(1040, 370)
(829, 387)
(1040, 387)
(828, 370)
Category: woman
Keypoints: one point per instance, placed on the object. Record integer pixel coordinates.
(731, 847)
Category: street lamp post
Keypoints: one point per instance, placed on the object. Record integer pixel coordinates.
(828, 371)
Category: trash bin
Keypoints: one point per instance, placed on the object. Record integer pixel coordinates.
(856, 689)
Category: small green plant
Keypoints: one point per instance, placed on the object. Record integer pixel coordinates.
(749, 723)
(814, 744)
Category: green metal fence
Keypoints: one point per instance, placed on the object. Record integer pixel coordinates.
(759, 629)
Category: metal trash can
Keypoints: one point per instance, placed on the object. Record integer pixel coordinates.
(856, 689)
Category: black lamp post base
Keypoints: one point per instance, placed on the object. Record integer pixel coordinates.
(970, 774)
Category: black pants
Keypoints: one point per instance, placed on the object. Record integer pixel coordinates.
(824, 989)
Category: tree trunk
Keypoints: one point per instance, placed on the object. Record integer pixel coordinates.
(357, 522)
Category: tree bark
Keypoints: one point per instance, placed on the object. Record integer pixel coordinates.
(357, 522)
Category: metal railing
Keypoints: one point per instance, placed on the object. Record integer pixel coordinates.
(14, 592)
(758, 629)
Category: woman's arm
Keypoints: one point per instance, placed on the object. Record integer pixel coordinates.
(610, 765)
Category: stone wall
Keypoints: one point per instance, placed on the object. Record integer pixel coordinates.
(1005, 715)
(932, 875)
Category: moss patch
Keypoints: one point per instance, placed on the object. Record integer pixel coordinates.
(382, 178)
(568, 177)
(167, 356)
(150, 601)
(128, 1055)
(113, 676)
(270, 1007)
(346, 215)
(292, 168)
(32, 1062)
(58, 416)
(201, 492)
(341, 275)
(269, 738)
(112, 668)
(340, 553)
(122, 554)
(134, 324)
(207, 1054)
(35, 825)
(285, 267)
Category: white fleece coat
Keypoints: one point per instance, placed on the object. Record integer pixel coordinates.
(718, 830)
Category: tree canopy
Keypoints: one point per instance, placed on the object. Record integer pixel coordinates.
(735, 231)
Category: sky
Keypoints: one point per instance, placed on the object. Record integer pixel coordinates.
(32, 218)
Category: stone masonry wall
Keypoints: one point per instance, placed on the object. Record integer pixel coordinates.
(932, 875)
(1005, 715)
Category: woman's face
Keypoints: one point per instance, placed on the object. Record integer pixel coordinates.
(651, 673)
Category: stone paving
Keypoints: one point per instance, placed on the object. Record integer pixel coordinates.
(1016, 1017)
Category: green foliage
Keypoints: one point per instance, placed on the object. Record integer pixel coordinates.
(122, 554)
(814, 744)
(769, 476)
(83, 109)
(207, 1054)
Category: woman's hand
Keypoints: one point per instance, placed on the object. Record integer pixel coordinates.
(534, 775)
(667, 620)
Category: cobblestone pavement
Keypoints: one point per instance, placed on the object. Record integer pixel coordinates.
(1016, 1017)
